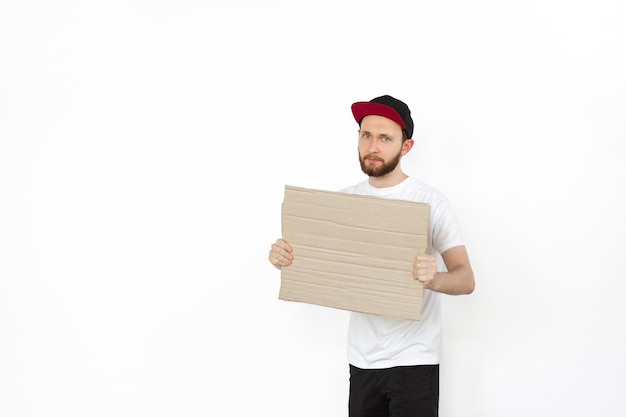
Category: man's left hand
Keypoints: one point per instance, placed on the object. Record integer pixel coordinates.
(425, 269)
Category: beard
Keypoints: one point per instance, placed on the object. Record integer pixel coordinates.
(379, 170)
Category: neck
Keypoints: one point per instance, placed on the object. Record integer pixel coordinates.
(389, 180)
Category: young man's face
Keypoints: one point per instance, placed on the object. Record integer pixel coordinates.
(380, 145)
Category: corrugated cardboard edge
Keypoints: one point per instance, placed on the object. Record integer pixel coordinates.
(354, 252)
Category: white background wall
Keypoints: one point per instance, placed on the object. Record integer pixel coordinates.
(144, 147)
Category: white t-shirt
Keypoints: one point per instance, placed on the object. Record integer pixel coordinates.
(376, 342)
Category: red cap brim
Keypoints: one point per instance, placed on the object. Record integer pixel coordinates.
(367, 108)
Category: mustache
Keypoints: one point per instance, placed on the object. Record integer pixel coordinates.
(370, 156)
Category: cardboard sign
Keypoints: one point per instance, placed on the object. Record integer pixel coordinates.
(354, 252)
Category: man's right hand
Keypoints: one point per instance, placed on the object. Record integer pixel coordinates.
(280, 254)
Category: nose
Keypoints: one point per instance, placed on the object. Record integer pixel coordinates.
(372, 146)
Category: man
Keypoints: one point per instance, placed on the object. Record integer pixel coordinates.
(394, 364)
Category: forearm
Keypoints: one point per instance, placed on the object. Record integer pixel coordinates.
(455, 282)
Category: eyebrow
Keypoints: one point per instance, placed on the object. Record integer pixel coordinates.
(388, 135)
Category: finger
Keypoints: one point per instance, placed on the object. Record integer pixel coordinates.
(279, 262)
(284, 245)
(424, 257)
(275, 256)
(280, 257)
(283, 252)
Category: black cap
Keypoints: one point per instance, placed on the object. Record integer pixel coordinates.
(388, 107)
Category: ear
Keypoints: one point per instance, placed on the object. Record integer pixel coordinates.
(406, 146)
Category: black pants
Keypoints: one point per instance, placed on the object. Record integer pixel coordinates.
(403, 391)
